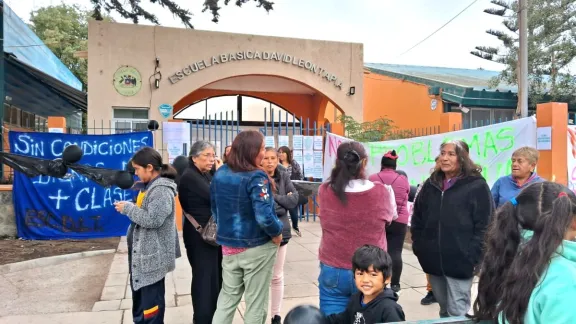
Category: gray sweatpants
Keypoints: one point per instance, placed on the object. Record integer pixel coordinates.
(453, 295)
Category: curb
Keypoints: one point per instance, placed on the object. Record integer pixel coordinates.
(47, 261)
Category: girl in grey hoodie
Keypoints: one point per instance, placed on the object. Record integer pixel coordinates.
(151, 236)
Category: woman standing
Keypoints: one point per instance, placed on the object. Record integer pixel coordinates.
(396, 232)
(248, 229)
(295, 173)
(355, 211)
(205, 259)
(450, 218)
(151, 236)
(524, 161)
(285, 197)
(529, 269)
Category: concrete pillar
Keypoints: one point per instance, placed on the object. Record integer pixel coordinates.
(56, 124)
(450, 121)
(553, 164)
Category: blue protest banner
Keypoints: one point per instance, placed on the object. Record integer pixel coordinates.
(52, 208)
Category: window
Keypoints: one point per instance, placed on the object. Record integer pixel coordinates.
(478, 117)
(503, 115)
(128, 120)
(28, 120)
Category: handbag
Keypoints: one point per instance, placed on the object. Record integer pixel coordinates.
(208, 232)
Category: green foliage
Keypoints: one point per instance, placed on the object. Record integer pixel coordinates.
(551, 48)
(64, 30)
(134, 11)
(377, 130)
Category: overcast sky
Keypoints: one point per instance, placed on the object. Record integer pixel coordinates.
(387, 28)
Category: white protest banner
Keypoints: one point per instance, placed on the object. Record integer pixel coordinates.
(572, 157)
(490, 146)
(332, 143)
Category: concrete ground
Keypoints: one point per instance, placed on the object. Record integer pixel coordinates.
(301, 273)
(71, 286)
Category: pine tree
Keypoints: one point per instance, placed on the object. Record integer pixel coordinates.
(132, 9)
(551, 48)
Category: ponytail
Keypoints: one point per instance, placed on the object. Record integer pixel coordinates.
(527, 268)
(512, 267)
(168, 171)
(501, 244)
(149, 156)
(349, 166)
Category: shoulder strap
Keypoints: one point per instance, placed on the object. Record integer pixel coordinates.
(193, 221)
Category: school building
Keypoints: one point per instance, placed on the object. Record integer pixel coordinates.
(137, 73)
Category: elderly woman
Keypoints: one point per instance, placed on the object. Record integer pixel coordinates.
(205, 259)
(524, 161)
(450, 217)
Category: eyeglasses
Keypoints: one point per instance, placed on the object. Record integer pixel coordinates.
(208, 155)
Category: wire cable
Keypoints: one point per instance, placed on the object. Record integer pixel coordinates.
(437, 30)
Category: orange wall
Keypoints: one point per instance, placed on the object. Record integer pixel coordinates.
(298, 104)
(405, 102)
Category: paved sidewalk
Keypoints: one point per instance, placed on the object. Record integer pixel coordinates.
(301, 273)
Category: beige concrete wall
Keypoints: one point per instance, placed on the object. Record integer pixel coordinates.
(7, 216)
(112, 45)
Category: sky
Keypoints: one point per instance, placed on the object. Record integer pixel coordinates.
(387, 28)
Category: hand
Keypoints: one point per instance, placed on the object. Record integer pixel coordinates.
(218, 163)
(289, 194)
(277, 240)
(119, 206)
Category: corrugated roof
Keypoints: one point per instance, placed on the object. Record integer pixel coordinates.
(21, 41)
(467, 78)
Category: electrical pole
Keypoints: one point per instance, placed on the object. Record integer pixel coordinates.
(523, 57)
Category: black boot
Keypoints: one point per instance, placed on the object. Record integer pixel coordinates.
(276, 320)
(429, 299)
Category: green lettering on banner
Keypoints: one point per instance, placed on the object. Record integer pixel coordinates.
(417, 149)
(474, 144)
(504, 135)
(431, 157)
(489, 144)
(402, 152)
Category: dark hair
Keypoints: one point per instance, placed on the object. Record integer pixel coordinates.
(467, 166)
(245, 148)
(305, 314)
(224, 157)
(288, 151)
(370, 255)
(509, 276)
(349, 166)
(149, 156)
(402, 173)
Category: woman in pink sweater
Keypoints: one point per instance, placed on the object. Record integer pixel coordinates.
(355, 211)
(396, 232)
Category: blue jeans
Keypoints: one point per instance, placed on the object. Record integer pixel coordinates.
(336, 287)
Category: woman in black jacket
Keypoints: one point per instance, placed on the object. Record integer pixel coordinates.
(205, 259)
(450, 217)
(285, 198)
(294, 173)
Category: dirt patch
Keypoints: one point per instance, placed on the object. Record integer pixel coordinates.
(16, 250)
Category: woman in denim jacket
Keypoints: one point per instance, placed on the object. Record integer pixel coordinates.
(248, 230)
